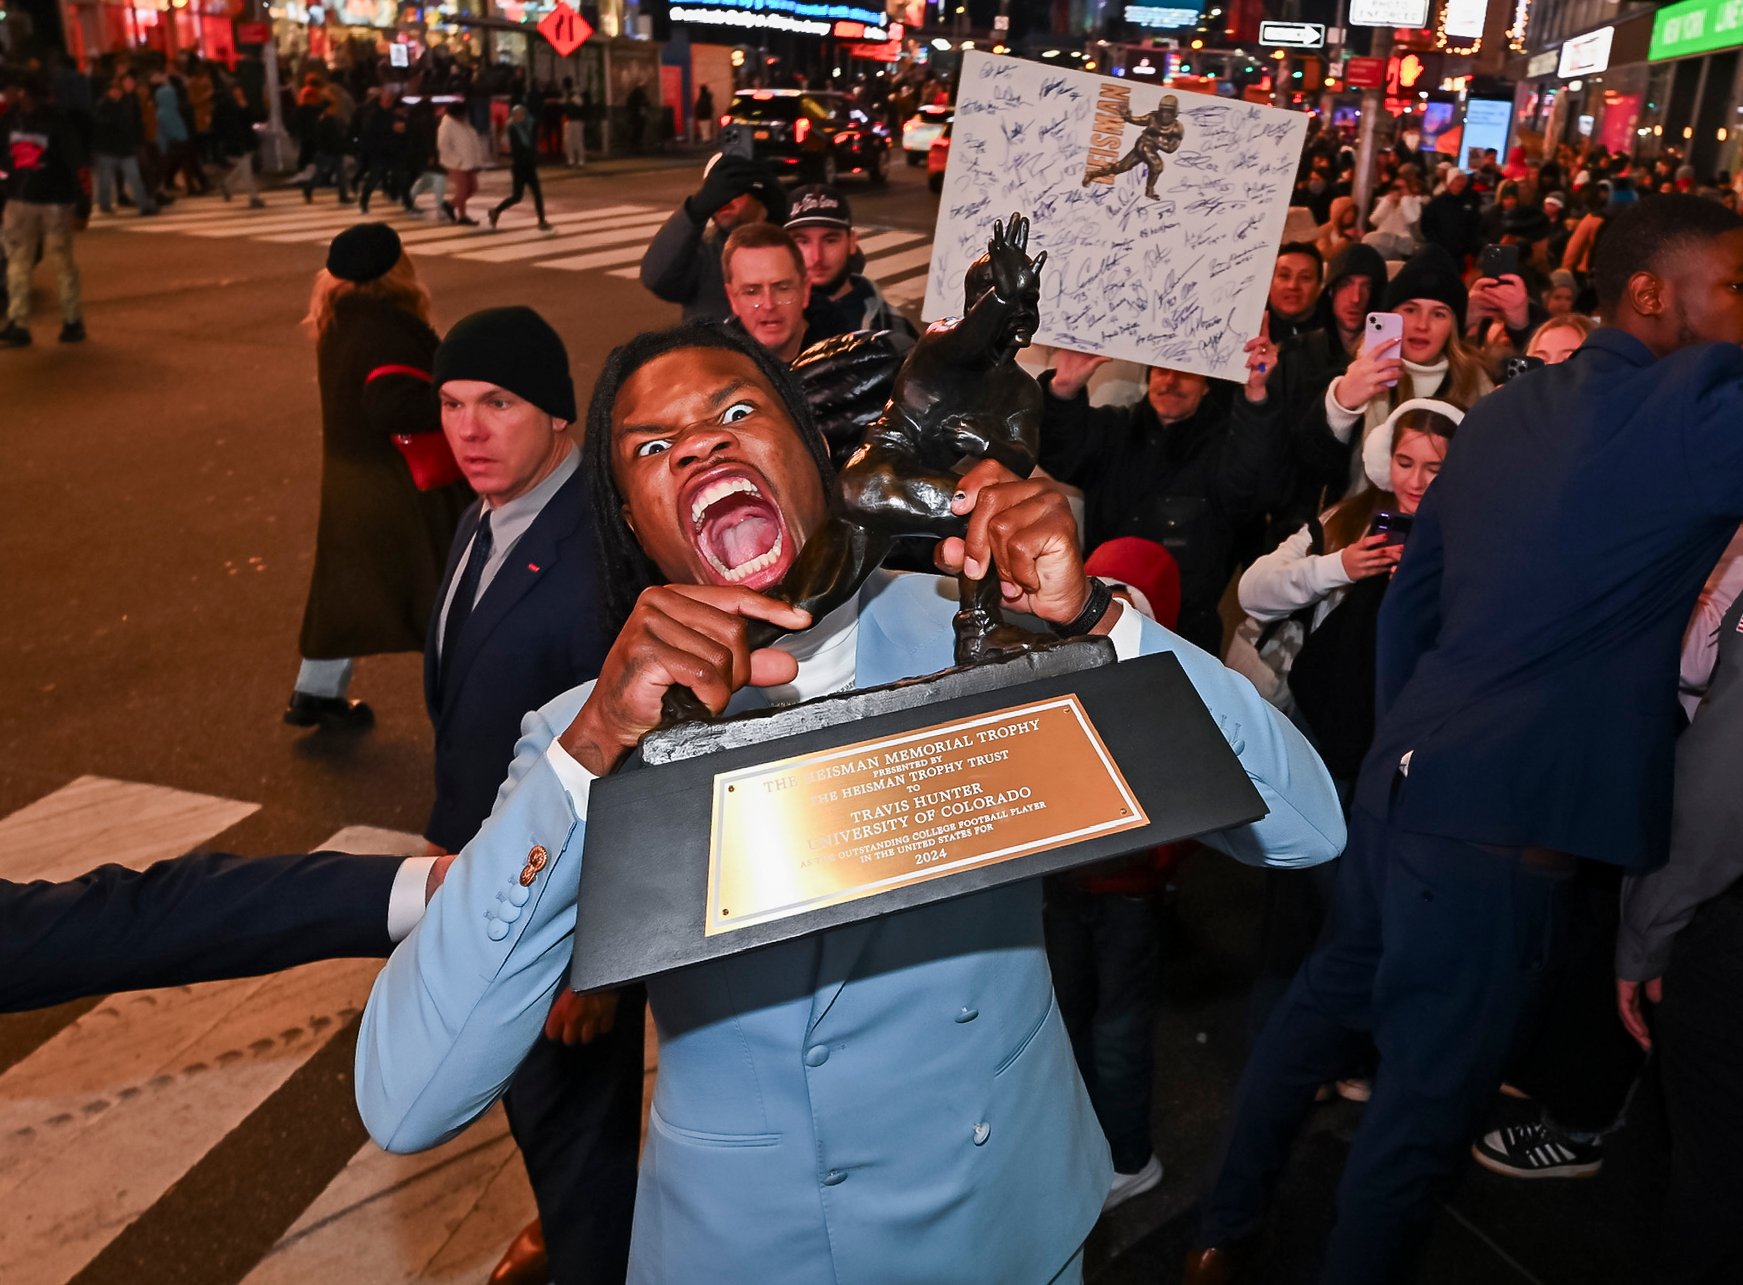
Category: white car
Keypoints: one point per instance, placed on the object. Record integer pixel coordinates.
(921, 128)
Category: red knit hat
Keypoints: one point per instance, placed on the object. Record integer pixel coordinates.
(1145, 566)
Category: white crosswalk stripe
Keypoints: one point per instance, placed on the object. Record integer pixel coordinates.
(612, 237)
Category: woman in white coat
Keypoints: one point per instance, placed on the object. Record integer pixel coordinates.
(462, 155)
(1340, 566)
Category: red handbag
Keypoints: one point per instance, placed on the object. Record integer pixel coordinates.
(429, 458)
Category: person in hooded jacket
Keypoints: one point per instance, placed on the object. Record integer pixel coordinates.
(1187, 467)
(1315, 469)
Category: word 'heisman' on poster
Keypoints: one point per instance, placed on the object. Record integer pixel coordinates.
(1160, 211)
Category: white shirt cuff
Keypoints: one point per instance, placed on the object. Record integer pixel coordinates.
(405, 901)
(1127, 635)
(576, 780)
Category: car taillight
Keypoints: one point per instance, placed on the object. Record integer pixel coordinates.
(726, 120)
(801, 129)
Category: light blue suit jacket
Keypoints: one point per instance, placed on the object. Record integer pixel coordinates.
(890, 1102)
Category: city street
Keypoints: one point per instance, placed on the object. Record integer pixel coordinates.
(160, 493)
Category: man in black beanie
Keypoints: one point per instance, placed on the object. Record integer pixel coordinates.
(682, 264)
(517, 623)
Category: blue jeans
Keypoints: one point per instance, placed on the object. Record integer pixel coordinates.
(1440, 949)
(127, 168)
(1106, 953)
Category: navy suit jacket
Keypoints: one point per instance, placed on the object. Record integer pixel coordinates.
(1527, 651)
(534, 633)
(198, 918)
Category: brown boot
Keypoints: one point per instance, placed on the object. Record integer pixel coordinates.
(525, 1261)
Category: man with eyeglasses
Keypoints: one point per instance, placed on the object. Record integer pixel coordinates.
(767, 290)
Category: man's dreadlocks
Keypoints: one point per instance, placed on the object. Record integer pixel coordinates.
(624, 570)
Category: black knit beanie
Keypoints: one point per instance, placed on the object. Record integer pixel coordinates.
(363, 252)
(513, 348)
(1430, 273)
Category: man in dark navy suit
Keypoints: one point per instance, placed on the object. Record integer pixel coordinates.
(517, 623)
(1526, 712)
(200, 918)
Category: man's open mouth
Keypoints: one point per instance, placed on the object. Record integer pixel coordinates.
(738, 530)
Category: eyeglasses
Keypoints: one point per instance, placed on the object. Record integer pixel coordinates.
(758, 296)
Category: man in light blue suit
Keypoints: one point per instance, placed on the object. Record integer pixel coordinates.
(894, 1101)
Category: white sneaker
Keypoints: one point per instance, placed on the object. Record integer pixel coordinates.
(1127, 1185)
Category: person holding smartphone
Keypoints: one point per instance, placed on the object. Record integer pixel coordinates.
(1332, 573)
(1504, 307)
(1420, 354)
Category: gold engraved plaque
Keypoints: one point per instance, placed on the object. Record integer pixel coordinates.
(821, 829)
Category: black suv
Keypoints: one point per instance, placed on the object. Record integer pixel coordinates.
(813, 137)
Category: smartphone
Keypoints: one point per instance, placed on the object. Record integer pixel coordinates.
(1498, 261)
(1514, 367)
(1381, 327)
(738, 140)
(1394, 526)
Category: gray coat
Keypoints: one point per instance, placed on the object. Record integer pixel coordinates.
(682, 266)
(1706, 850)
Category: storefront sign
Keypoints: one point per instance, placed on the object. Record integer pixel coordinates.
(860, 31)
(565, 29)
(1589, 54)
(1388, 13)
(1543, 64)
(888, 51)
(1695, 27)
(1163, 17)
(1464, 18)
(254, 33)
(806, 17)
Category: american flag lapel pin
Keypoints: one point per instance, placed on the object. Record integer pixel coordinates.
(533, 567)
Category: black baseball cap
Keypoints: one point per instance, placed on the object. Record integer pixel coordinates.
(817, 205)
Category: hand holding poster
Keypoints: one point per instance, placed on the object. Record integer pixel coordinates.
(1160, 211)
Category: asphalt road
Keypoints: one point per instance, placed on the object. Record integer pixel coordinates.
(159, 493)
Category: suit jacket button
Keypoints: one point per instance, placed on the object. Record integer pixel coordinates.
(967, 1015)
(528, 873)
(516, 895)
(833, 1178)
(537, 858)
(496, 930)
(817, 1055)
(982, 1131)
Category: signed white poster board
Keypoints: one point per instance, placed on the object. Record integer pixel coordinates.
(1178, 278)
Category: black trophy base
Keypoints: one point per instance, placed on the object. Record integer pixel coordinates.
(644, 892)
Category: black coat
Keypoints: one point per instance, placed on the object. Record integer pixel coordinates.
(1190, 486)
(1527, 651)
(533, 635)
(382, 542)
(116, 128)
